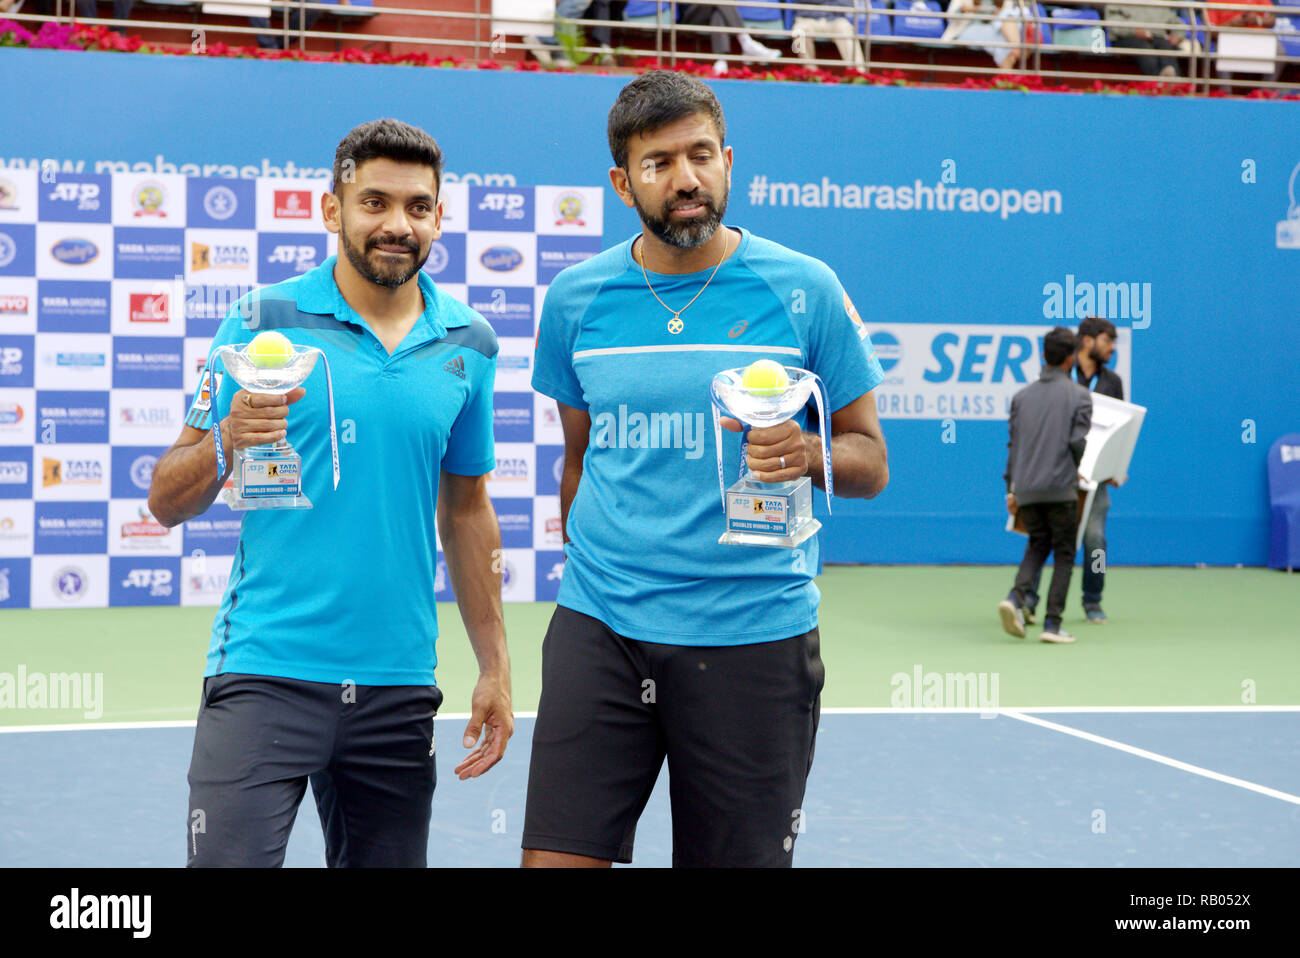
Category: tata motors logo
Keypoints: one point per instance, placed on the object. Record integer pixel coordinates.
(72, 472)
(220, 202)
(148, 307)
(224, 256)
(888, 350)
(10, 413)
(14, 305)
(293, 204)
(148, 199)
(74, 251)
(568, 210)
(501, 259)
(438, 258)
(70, 583)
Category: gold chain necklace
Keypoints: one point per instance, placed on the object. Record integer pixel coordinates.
(675, 325)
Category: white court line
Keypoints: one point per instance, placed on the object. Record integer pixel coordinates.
(1155, 757)
(864, 710)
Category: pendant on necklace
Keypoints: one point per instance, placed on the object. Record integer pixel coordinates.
(675, 325)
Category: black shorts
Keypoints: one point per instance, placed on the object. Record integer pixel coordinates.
(736, 723)
(367, 750)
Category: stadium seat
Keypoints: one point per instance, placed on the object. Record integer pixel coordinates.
(880, 25)
(1284, 499)
(912, 18)
(649, 12)
(1075, 27)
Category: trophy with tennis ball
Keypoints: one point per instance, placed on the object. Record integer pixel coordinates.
(269, 476)
(766, 513)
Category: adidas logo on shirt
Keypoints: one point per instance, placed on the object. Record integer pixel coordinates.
(456, 366)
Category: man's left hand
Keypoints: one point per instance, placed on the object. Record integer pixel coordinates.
(491, 715)
(767, 446)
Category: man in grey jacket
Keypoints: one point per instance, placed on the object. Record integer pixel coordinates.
(1049, 426)
(1169, 35)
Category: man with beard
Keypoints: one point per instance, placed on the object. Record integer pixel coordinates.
(665, 643)
(321, 660)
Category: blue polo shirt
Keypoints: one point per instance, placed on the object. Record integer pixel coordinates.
(345, 590)
(643, 555)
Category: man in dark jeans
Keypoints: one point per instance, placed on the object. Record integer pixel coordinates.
(1049, 425)
(1095, 344)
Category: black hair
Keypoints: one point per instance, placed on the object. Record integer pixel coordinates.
(1092, 326)
(1057, 346)
(652, 101)
(390, 140)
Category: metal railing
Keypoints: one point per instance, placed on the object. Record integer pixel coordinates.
(1198, 60)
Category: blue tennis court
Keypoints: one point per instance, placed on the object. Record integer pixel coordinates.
(889, 787)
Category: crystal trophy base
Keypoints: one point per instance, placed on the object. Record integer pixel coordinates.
(267, 477)
(769, 513)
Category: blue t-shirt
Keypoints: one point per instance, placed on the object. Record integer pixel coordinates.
(345, 590)
(643, 555)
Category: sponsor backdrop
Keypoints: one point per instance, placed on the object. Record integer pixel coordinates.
(963, 224)
(109, 296)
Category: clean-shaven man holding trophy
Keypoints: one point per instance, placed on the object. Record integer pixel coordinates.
(685, 628)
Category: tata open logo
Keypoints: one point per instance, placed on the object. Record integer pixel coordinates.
(293, 204)
(218, 256)
(148, 307)
(74, 251)
(501, 259)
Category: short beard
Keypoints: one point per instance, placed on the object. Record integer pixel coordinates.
(683, 235)
(391, 279)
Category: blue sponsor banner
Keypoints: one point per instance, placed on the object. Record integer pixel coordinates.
(15, 472)
(132, 470)
(515, 517)
(217, 203)
(17, 249)
(550, 464)
(73, 306)
(446, 261)
(144, 580)
(72, 415)
(508, 308)
(442, 581)
(147, 362)
(15, 583)
(71, 528)
(207, 305)
(550, 570)
(215, 533)
(512, 416)
(500, 208)
(283, 256)
(555, 253)
(17, 364)
(143, 252)
(76, 198)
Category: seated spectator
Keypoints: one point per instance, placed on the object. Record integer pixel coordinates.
(833, 24)
(707, 15)
(1241, 18)
(984, 33)
(85, 10)
(1168, 36)
(548, 50)
(269, 41)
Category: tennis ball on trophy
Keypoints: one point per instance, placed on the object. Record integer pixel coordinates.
(765, 378)
(270, 350)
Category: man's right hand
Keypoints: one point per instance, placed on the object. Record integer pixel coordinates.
(256, 418)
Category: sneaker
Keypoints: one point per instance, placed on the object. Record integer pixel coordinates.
(720, 68)
(1095, 615)
(543, 53)
(1057, 635)
(756, 51)
(605, 56)
(1013, 619)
